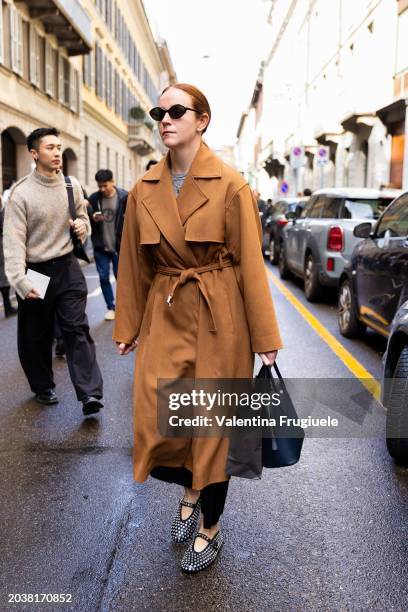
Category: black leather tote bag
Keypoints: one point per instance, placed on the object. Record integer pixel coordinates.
(284, 443)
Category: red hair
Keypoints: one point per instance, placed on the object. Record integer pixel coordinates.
(200, 102)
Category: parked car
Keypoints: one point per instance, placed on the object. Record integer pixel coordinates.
(375, 282)
(318, 245)
(274, 222)
(394, 388)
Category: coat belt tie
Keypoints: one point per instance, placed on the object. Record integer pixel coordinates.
(187, 274)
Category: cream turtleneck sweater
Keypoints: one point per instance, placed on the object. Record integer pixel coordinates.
(36, 224)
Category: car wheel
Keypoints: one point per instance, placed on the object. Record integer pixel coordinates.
(397, 411)
(313, 288)
(284, 271)
(347, 319)
(273, 251)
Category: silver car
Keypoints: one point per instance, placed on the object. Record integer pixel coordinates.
(317, 245)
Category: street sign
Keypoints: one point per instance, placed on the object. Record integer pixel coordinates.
(323, 156)
(284, 187)
(297, 157)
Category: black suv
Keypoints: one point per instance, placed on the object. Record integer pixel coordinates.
(375, 282)
(394, 388)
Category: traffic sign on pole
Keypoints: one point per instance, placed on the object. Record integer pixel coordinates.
(323, 156)
(284, 187)
(297, 157)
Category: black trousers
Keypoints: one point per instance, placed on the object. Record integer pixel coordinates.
(66, 299)
(213, 496)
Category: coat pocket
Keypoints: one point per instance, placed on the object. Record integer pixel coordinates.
(205, 227)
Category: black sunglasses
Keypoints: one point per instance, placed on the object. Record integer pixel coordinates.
(175, 112)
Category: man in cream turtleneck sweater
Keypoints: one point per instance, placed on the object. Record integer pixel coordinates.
(37, 236)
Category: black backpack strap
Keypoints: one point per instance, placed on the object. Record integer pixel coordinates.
(71, 204)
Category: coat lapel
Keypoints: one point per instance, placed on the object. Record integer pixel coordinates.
(169, 214)
(193, 193)
(162, 206)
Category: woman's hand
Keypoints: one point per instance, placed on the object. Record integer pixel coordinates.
(268, 358)
(125, 349)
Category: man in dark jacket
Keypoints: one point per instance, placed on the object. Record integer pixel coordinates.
(106, 211)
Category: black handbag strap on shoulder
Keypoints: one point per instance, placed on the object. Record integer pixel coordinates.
(71, 203)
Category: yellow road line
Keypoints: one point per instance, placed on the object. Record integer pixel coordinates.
(359, 371)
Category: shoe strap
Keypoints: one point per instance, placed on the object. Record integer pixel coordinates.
(183, 502)
(211, 541)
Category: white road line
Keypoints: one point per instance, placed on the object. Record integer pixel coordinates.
(98, 291)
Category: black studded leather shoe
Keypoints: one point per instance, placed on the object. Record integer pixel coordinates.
(183, 529)
(194, 561)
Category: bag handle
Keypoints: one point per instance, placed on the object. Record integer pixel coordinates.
(71, 203)
(266, 372)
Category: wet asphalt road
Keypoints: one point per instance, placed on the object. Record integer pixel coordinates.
(327, 534)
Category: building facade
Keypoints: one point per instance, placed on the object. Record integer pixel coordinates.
(329, 72)
(92, 69)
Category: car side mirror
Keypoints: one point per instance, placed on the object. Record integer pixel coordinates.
(362, 230)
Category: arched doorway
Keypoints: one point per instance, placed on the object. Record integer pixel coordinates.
(15, 158)
(69, 163)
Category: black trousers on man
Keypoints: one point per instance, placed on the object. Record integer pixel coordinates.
(66, 298)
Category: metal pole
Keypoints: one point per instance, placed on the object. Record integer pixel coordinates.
(321, 176)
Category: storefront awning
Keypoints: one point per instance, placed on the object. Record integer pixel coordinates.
(393, 113)
(326, 138)
(356, 121)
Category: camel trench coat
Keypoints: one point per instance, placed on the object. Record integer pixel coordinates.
(217, 320)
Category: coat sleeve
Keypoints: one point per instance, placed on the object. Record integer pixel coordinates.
(135, 275)
(14, 243)
(243, 241)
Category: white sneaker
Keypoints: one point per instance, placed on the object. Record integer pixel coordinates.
(110, 315)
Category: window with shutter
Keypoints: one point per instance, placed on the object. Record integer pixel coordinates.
(66, 66)
(99, 71)
(14, 37)
(60, 78)
(92, 69)
(73, 90)
(49, 69)
(85, 69)
(20, 48)
(35, 57)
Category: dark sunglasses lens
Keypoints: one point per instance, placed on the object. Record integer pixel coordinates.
(157, 113)
(177, 111)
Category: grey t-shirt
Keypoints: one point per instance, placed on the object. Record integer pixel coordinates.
(109, 207)
(178, 180)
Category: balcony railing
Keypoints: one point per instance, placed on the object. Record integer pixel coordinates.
(67, 20)
(141, 137)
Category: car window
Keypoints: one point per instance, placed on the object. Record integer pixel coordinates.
(331, 208)
(360, 208)
(395, 219)
(317, 207)
(308, 207)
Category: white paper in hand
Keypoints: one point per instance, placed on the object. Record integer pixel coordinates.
(40, 281)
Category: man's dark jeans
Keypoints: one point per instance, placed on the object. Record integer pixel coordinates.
(103, 260)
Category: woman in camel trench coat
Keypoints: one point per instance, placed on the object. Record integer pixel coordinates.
(193, 296)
